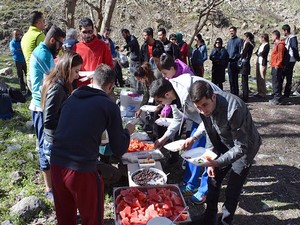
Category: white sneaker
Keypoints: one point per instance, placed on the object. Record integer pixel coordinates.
(296, 93)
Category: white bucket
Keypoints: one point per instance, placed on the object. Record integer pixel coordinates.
(130, 102)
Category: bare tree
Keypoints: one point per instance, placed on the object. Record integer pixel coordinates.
(69, 11)
(204, 14)
(108, 12)
(101, 12)
(97, 7)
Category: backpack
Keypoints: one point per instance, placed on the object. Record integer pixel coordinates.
(6, 110)
(286, 57)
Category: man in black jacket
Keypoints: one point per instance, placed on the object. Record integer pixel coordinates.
(169, 47)
(84, 117)
(291, 44)
(133, 46)
(151, 45)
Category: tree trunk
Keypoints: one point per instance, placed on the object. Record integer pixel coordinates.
(70, 6)
(108, 11)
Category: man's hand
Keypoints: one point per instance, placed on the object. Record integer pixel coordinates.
(159, 143)
(188, 143)
(130, 127)
(211, 171)
(138, 113)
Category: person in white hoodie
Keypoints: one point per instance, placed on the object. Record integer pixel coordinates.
(291, 43)
(175, 92)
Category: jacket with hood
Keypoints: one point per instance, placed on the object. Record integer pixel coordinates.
(182, 85)
(291, 43)
(181, 68)
(85, 115)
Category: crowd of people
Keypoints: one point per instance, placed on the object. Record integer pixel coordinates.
(76, 119)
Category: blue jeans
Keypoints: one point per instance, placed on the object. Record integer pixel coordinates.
(37, 118)
(47, 149)
(192, 172)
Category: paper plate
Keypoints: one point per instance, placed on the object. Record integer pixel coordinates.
(88, 74)
(148, 108)
(160, 221)
(197, 156)
(165, 122)
(174, 146)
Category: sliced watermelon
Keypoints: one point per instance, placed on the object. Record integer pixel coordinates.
(129, 198)
(151, 191)
(168, 213)
(125, 221)
(141, 196)
(177, 200)
(124, 192)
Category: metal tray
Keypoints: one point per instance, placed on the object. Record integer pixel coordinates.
(172, 187)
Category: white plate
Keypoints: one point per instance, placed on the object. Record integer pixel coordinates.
(174, 146)
(197, 156)
(148, 108)
(88, 74)
(165, 122)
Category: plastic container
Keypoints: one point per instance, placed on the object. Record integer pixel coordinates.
(130, 102)
(173, 187)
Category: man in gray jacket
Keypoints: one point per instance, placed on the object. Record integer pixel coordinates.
(232, 135)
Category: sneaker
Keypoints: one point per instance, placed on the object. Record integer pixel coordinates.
(296, 93)
(198, 198)
(49, 195)
(274, 102)
(187, 191)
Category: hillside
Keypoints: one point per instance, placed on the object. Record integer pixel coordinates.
(178, 15)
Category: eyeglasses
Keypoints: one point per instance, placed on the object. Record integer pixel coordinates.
(87, 31)
(60, 43)
(217, 42)
(173, 39)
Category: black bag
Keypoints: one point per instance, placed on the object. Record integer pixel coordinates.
(286, 57)
(6, 110)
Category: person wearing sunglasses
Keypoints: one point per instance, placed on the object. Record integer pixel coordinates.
(92, 50)
(41, 62)
(219, 57)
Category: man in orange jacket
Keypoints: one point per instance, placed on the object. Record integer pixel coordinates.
(276, 67)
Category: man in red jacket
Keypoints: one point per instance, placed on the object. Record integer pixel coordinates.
(92, 50)
(276, 67)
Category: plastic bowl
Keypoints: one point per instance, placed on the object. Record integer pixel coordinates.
(148, 181)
